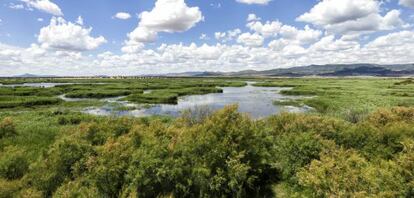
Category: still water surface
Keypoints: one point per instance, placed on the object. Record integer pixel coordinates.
(45, 85)
(41, 85)
(255, 101)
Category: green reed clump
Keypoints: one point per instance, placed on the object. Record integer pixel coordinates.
(7, 128)
(27, 101)
(13, 163)
(97, 93)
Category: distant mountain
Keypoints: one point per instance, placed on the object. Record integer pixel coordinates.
(193, 74)
(370, 71)
(362, 69)
(33, 76)
(396, 70)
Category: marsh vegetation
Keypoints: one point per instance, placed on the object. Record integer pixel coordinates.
(357, 142)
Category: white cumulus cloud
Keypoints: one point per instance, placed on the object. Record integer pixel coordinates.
(351, 16)
(79, 20)
(251, 40)
(392, 48)
(45, 6)
(16, 6)
(252, 17)
(261, 2)
(267, 29)
(407, 3)
(204, 37)
(167, 16)
(122, 15)
(62, 35)
(227, 36)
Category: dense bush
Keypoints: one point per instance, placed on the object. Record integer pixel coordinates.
(76, 188)
(296, 150)
(218, 154)
(344, 173)
(65, 120)
(9, 188)
(7, 128)
(67, 158)
(13, 164)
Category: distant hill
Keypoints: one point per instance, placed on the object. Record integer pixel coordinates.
(333, 70)
(370, 71)
(193, 74)
(397, 70)
(33, 76)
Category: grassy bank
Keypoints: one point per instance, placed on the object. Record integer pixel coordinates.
(170, 96)
(162, 90)
(26, 101)
(338, 96)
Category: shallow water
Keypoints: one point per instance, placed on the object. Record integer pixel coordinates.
(43, 85)
(255, 101)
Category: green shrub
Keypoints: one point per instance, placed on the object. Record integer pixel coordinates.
(30, 192)
(13, 164)
(120, 127)
(92, 132)
(77, 188)
(355, 115)
(196, 115)
(222, 154)
(406, 161)
(9, 188)
(69, 120)
(111, 167)
(296, 150)
(27, 101)
(67, 158)
(227, 155)
(7, 128)
(344, 173)
(97, 93)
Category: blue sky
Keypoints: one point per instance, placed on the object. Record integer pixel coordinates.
(23, 25)
(283, 33)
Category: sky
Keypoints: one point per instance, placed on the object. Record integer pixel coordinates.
(135, 37)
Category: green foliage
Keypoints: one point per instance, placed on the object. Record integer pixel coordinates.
(359, 143)
(294, 123)
(9, 188)
(26, 101)
(347, 98)
(67, 158)
(296, 150)
(219, 157)
(355, 115)
(344, 173)
(97, 94)
(77, 188)
(216, 154)
(406, 161)
(196, 115)
(7, 128)
(111, 166)
(155, 97)
(67, 120)
(92, 133)
(381, 134)
(170, 96)
(13, 163)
